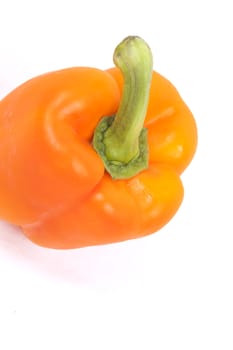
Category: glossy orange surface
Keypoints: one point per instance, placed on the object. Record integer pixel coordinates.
(54, 185)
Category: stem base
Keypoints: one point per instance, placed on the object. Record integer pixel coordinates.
(121, 170)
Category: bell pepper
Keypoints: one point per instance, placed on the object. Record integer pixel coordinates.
(91, 157)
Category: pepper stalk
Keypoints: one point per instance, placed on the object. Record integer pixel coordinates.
(121, 140)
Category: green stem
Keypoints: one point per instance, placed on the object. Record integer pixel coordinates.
(121, 141)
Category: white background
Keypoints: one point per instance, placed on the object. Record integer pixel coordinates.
(172, 290)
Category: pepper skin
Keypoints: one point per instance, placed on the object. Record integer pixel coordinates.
(53, 183)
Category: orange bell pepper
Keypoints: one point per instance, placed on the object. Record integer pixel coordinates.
(71, 178)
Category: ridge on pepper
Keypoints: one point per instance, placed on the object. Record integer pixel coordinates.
(92, 157)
